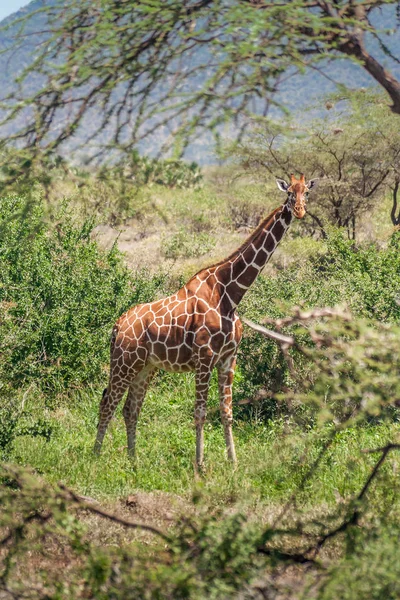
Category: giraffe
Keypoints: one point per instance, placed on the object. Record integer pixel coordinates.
(195, 329)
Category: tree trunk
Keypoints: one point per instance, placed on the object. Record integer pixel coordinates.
(395, 217)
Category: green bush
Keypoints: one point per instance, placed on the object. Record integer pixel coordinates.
(370, 572)
(143, 170)
(211, 556)
(184, 244)
(15, 421)
(59, 297)
(366, 278)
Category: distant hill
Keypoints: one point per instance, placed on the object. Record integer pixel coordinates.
(298, 93)
(11, 65)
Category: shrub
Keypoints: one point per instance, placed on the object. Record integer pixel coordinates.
(245, 213)
(212, 556)
(143, 170)
(365, 278)
(16, 421)
(370, 572)
(59, 297)
(187, 245)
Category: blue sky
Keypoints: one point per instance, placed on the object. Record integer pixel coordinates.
(7, 7)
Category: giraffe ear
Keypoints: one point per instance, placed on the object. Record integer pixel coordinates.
(282, 185)
(312, 183)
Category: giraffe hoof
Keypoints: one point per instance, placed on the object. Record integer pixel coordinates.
(132, 457)
(201, 469)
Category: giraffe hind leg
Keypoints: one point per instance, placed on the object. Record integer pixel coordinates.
(109, 402)
(136, 394)
(124, 367)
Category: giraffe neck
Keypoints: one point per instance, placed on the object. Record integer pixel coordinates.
(240, 270)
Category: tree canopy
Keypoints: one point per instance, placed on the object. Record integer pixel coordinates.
(356, 159)
(132, 67)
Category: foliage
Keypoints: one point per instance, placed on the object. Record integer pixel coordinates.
(59, 297)
(143, 170)
(215, 553)
(356, 160)
(371, 573)
(206, 557)
(365, 278)
(186, 76)
(116, 192)
(184, 244)
(9, 416)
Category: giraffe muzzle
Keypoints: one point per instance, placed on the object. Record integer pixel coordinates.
(299, 210)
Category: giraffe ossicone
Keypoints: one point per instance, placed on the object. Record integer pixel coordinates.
(195, 329)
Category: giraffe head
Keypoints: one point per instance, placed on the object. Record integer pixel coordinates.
(297, 193)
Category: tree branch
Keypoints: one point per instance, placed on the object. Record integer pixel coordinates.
(357, 49)
(395, 219)
(110, 516)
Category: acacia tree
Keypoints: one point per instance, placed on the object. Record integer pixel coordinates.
(180, 67)
(357, 159)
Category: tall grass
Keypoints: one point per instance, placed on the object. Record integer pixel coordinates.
(273, 457)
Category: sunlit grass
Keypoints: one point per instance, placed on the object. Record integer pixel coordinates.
(273, 457)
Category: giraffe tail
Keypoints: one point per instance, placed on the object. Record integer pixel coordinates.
(114, 334)
(113, 338)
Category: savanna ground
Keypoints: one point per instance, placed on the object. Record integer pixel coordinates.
(256, 531)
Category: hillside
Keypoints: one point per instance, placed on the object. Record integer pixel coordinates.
(296, 94)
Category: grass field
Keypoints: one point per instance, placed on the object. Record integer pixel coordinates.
(273, 456)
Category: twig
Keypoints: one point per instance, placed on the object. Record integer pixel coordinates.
(287, 340)
(303, 316)
(298, 558)
(112, 517)
(395, 218)
(353, 519)
(382, 449)
(24, 397)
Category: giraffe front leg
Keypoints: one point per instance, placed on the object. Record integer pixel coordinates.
(133, 405)
(203, 375)
(225, 381)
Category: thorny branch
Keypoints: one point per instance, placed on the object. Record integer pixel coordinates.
(110, 516)
(65, 494)
(353, 516)
(299, 317)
